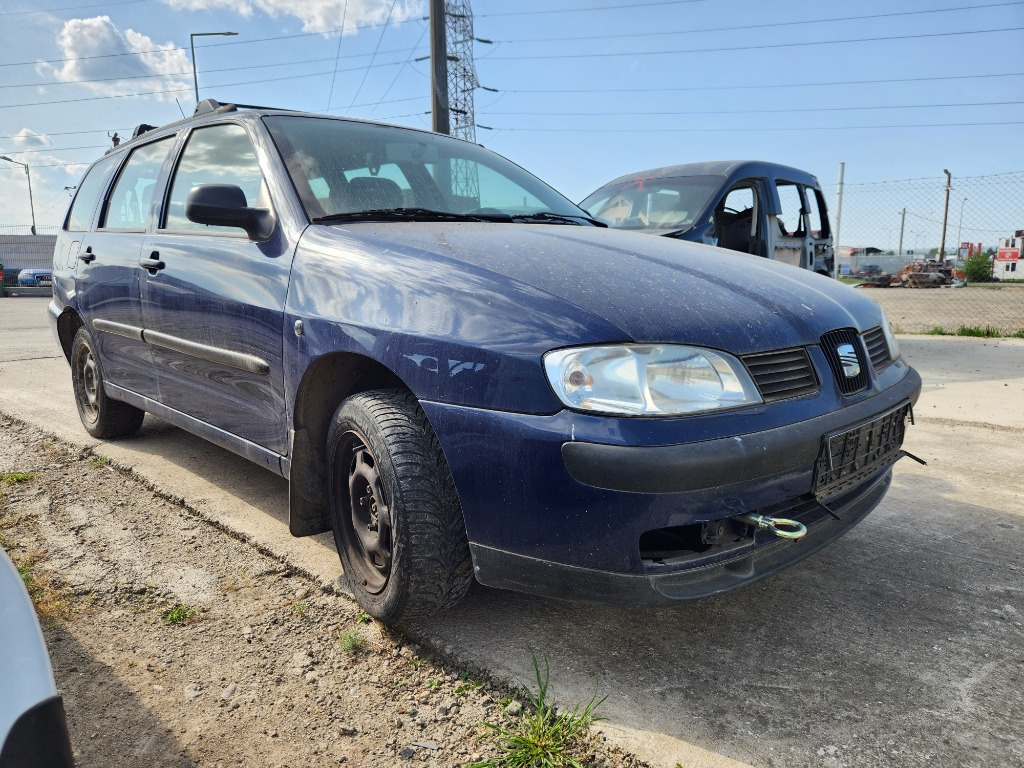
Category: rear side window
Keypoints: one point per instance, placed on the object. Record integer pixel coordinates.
(817, 208)
(129, 201)
(89, 191)
(790, 219)
(219, 154)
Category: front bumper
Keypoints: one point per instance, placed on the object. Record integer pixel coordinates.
(559, 505)
(766, 555)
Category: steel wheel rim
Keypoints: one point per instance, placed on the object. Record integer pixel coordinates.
(90, 378)
(365, 517)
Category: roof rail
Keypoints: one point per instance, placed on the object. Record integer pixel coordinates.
(207, 106)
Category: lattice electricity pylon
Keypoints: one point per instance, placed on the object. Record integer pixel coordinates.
(462, 83)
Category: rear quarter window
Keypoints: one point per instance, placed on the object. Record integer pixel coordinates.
(89, 190)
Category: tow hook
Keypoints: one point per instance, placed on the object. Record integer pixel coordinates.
(780, 526)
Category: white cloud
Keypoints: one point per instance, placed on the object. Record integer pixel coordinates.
(315, 15)
(26, 138)
(91, 45)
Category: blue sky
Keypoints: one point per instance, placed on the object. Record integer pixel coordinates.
(587, 89)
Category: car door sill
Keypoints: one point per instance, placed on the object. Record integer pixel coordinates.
(257, 454)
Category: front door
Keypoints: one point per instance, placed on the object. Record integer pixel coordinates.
(214, 300)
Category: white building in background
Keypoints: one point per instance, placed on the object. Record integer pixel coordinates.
(1008, 264)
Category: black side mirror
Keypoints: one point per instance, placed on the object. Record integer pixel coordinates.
(225, 205)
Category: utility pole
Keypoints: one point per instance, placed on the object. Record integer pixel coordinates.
(439, 68)
(945, 216)
(839, 220)
(903, 220)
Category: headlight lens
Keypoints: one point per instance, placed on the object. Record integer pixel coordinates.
(890, 338)
(648, 379)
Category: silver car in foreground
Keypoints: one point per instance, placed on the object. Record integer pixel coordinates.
(33, 729)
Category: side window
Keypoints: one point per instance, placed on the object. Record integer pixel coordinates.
(219, 154)
(89, 190)
(790, 220)
(817, 208)
(128, 204)
(736, 220)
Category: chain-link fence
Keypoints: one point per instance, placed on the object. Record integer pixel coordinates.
(20, 249)
(891, 235)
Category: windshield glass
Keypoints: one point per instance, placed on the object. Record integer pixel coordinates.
(672, 203)
(341, 167)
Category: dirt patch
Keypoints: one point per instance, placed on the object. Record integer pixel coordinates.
(180, 645)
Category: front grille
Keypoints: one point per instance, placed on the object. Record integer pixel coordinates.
(878, 349)
(783, 374)
(845, 355)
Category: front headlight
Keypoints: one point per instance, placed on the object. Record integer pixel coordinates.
(890, 338)
(648, 379)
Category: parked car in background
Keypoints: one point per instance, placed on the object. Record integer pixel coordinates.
(749, 206)
(461, 373)
(35, 278)
(33, 728)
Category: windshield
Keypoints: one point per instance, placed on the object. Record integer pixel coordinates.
(346, 170)
(672, 203)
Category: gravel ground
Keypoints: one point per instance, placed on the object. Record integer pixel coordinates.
(919, 310)
(264, 667)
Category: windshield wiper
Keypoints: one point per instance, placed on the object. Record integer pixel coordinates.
(408, 214)
(549, 217)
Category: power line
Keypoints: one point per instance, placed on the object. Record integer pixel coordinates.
(376, 48)
(633, 113)
(72, 7)
(760, 87)
(215, 85)
(758, 129)
(588, 10)
(69, 133)
(799, 22)
(766, 46)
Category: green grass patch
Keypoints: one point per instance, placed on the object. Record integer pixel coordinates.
(542, 735)
(179, 614)
(977, 331)
(351, 642)
(98, 461)
(49, 596)
(14, 478)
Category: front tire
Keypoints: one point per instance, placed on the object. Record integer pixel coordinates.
(102, 417)
(396, 515)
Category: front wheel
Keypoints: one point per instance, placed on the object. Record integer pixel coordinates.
(396, 516)
(101, 416)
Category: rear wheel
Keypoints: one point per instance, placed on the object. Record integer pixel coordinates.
(101, 416)
(397, 520)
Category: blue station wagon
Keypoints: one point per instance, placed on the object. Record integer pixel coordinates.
(463, 375)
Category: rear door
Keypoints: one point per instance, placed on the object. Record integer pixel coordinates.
(108, 270)
(214, 307)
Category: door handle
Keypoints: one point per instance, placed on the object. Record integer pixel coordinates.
(153, 263)
(88, 256)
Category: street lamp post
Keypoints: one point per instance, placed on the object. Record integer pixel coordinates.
(31, 204)
(192, 44)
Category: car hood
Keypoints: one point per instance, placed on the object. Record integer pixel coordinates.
(655, 289)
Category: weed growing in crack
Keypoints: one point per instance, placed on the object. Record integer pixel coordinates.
(177, 614)
(98, 461)
(541, 735)
(351, 642)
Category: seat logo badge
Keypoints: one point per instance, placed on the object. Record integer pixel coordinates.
(848, 357)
